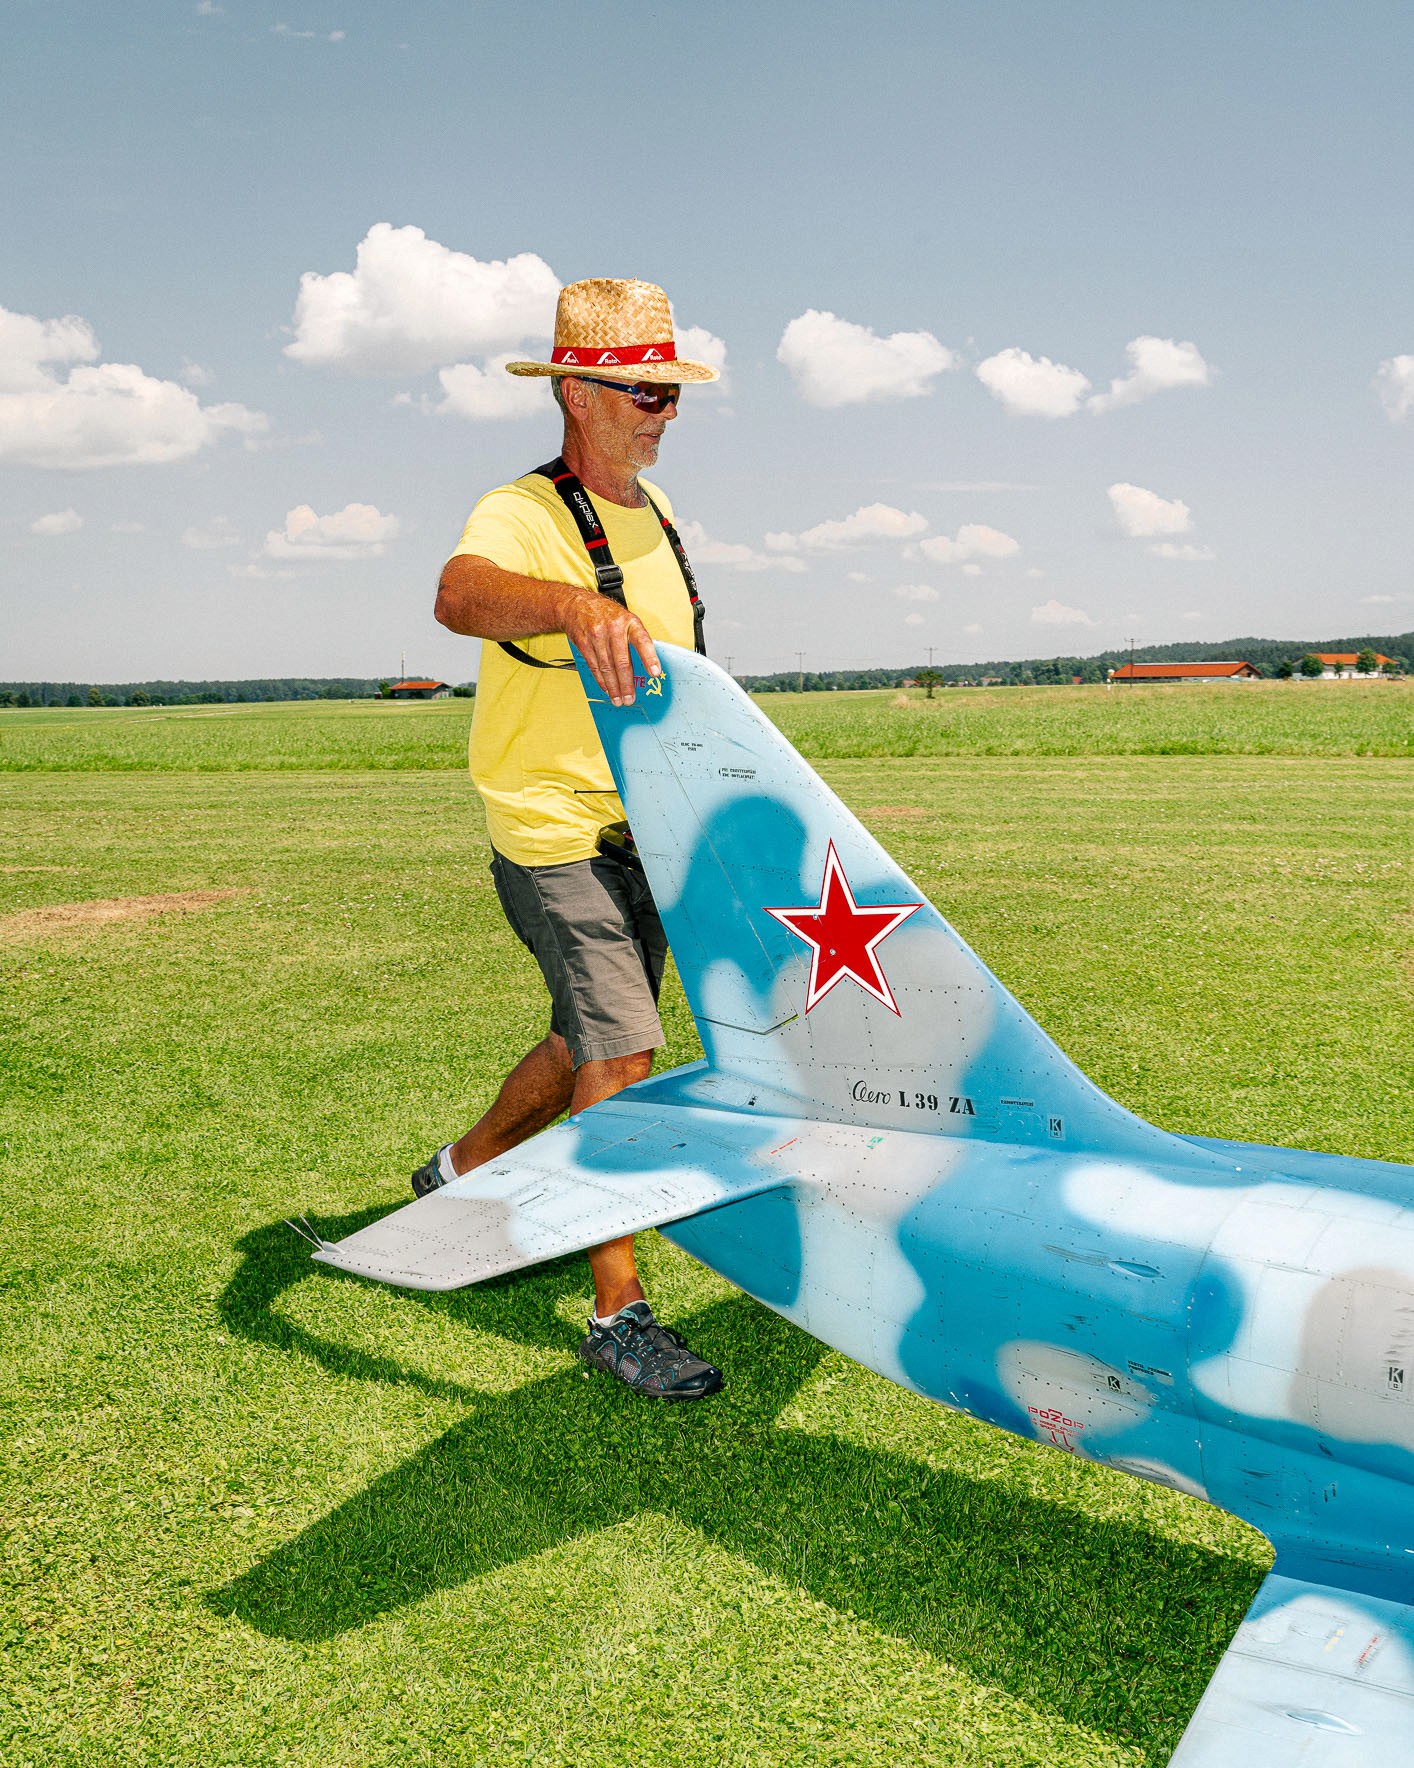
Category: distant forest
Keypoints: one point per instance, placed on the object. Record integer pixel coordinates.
(1265, 654)
(187, 693)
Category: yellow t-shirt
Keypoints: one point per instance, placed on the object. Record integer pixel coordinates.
(536, 758)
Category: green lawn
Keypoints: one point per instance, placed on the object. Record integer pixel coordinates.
(257, 1513)
(1226, 718)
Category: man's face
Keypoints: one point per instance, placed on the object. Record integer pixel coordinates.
(615, 427)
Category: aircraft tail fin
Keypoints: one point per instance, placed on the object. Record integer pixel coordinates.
(818, 973)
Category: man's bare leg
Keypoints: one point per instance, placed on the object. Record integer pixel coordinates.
(615, 1272)
(543, 1084)
(532, 1096)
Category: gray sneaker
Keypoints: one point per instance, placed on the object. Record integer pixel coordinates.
(428, 1176)
(649, 1358)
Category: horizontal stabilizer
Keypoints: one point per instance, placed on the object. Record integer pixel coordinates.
(1315, 1676)
(616, 1169)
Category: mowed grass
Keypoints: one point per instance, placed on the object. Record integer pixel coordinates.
(254, 1512)
(1226, 718)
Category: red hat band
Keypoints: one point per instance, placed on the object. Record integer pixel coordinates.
(615, 356)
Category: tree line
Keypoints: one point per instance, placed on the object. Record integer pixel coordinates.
(1277, 658)
(191, 693)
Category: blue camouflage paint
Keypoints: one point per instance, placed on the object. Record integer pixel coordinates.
(1232, 1320)
(938, 1192)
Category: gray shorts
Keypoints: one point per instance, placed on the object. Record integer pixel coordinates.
(593, 928)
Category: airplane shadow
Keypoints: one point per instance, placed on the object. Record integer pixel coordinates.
(1100, 1622)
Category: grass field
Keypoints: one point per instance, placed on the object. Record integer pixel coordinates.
(1252, 718)
(258, 1514)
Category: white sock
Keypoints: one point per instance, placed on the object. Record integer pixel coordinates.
(444, 1164)
(606, 1319)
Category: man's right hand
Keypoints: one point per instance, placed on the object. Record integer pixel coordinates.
(480, 599)
(604, 633)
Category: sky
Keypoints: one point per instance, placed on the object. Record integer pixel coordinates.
(1043, 329)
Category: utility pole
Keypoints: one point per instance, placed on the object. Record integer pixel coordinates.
(800, 672)
(729, 665)
(1131, 659)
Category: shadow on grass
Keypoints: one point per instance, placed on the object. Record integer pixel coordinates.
(1100, 1622)
(519, 1307)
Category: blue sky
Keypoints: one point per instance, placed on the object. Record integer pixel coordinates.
(925, 240)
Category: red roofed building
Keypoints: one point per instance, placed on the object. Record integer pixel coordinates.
(1187, 672)
(419, 690)
(1342, 663)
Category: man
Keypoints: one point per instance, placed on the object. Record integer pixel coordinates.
(524, 576)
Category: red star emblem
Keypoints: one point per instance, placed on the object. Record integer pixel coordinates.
(843, 936)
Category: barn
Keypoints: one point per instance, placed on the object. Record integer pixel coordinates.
(1187, 672)
(419, 690)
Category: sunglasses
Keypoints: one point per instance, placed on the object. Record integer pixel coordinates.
(646, 395)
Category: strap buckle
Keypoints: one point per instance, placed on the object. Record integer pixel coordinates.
(610, 579)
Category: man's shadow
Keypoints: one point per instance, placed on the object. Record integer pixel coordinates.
(1096, 1620)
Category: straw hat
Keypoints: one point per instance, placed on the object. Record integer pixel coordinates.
(615, 330)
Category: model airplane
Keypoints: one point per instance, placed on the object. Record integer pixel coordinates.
(882, 1145)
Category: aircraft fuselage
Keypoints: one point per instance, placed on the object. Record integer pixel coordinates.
(1245, 1337)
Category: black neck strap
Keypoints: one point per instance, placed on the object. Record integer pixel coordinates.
(608, 576)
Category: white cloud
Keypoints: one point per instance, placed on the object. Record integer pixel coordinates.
(411, 304)
(871, 523)
(1382, 600)
(31, 348)
(207, 537)
(1395, 386)
(976, 626)
(1159, 364)
(1141, 513)
(703, 550)
(309, 36)
(57, 522)
(972, 570)
(1165, 549)
(358, 531)
(489, 394)
(1035, 571)
(916, 592)
(833, 361)
(1037, 387)
(1192, 614)
(207, 9)
(913, 620)
(195, 375)
(129, 527)
(974, 541)
(105, 414)
(1033, 386)
(695, 344)
(1054, 613)
(858, 577)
